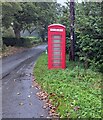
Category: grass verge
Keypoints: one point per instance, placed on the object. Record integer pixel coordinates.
(76, 91)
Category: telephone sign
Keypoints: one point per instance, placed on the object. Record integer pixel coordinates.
(56, 46)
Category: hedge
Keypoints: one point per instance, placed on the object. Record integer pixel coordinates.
(22, 42)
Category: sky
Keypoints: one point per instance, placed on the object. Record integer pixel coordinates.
(61, 1)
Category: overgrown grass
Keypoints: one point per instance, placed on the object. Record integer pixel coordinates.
(76, 90)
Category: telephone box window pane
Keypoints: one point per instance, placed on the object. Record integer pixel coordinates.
(56, 48)
(56, 64)
(56, 61)
(57, 53)
(56, 41)
(56, 45)
(56, 36)
(57, 57)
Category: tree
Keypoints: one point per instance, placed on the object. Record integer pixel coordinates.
(88, 30)
(29, 14)
(8, 11)
(47, 14)
(24, 18)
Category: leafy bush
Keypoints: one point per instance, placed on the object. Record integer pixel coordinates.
(89, 34)
(90, 51)
(34, 40)
(88, 30)
(8, 32)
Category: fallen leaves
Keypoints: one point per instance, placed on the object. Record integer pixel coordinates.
(52, 94)
(11, 50)
(31, 86)
(76, 108)
(18, 93)
(52, 110)
(36, 85)
(29, 96)
(48, 104)
(41, 115)
(21, 103)
(44, 107)
(42, 95)
(30, 104)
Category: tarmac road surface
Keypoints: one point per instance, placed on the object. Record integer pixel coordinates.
(19, 98)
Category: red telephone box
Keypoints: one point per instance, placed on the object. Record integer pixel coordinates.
(56, 46)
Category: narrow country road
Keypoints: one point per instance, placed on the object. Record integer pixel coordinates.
(19, 98)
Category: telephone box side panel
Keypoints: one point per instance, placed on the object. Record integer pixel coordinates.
(49, 48)
(64, 50)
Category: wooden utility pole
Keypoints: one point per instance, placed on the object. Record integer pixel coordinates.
(72, 34)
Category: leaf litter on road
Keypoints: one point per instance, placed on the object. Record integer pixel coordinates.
(30, 104)
(29, 96)
(41, 115)
(21, 103)
(52, 109)
(18, 93)
(36, 85)
(44, 96)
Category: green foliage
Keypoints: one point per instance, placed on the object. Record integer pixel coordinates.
(67, 44)
(76, 90)
(8, 32)
(88, 31)
(45, 11)
(25, 15)
(8, 11)
(34, 40)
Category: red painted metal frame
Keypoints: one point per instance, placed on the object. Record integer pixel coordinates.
(62, 44)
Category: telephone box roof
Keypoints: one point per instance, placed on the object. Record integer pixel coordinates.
(57, 25)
